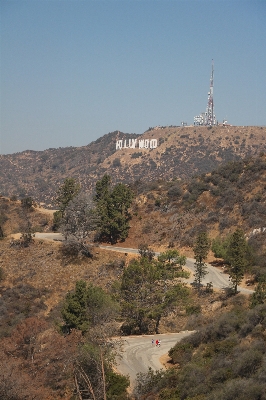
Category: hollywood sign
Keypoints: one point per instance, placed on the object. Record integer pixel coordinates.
(135, 143)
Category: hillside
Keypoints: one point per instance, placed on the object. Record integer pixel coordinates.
(173, 213)
(224, 360)
(182, 152)
(34, 281)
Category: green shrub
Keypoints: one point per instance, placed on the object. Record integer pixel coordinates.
(136, 155)
(116, 386)
(116, 162)
(193, 309)
(158, 203)
(27, 203)
(181, 353)
(175, 191)
(247, 363)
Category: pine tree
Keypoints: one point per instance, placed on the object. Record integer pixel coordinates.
(87, 306)
(113, 209)
(74, 310)
(148, 292)
(103, 189)
(201, 250)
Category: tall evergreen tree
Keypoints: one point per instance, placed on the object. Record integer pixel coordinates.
(113, 209)
(103, 189)
(74, 311)
(148, 292)
(201, 250)
(87, 306)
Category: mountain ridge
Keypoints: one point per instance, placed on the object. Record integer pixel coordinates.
(181, 153)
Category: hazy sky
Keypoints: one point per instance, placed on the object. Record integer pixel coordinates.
(72, 71)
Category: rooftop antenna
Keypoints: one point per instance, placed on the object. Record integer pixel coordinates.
(209, 115)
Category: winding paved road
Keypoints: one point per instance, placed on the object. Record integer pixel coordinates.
(219, 279)
(138, 353)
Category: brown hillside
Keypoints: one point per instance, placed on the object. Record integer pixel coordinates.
(182, 152)
(36, 279)
(43, 266)
(173, 213)
(13, 216)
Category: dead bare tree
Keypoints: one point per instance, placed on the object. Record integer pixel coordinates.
(79, 223)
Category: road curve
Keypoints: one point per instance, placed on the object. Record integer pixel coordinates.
(138, 354)
(219, 279)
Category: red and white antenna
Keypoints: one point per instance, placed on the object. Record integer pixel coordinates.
(208, 118)
(209, 115)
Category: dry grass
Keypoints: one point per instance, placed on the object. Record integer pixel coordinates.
(40, 218)
(43, 266)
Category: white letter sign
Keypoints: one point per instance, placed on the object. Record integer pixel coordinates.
(153, 143)
(132, 144)
(119, 144)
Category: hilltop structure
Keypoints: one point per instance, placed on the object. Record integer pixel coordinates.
(208, 118)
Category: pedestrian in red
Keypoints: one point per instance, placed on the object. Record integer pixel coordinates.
(157, 342)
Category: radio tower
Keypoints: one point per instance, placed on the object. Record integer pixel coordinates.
(209, 114)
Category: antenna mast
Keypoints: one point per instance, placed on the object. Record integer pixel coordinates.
(209, 115)
(207, 118)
